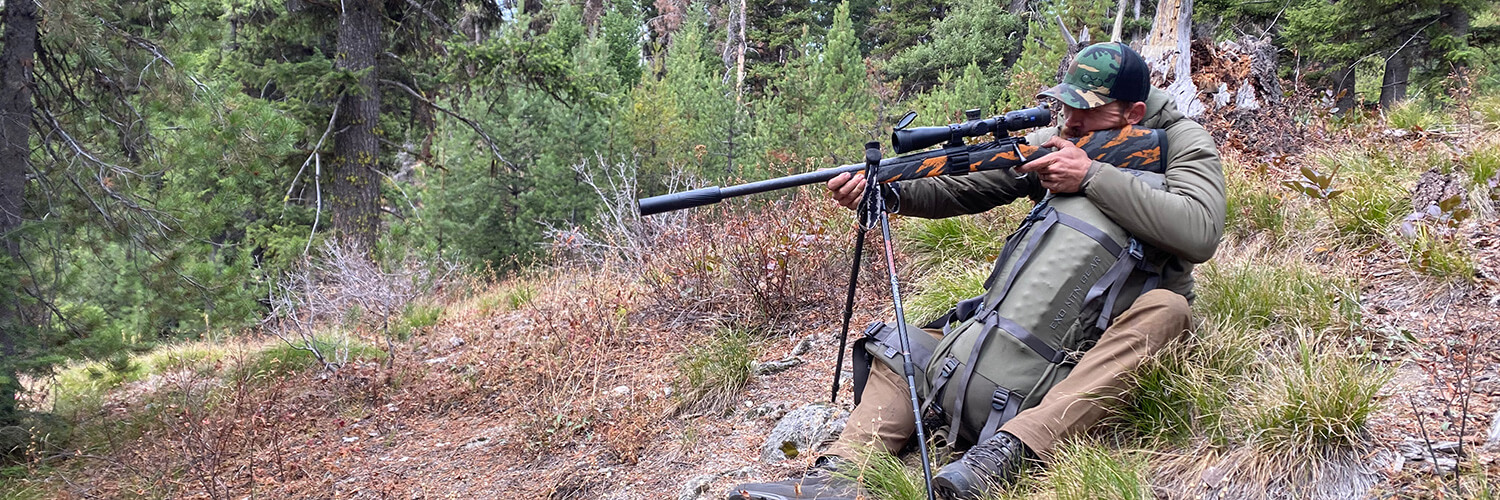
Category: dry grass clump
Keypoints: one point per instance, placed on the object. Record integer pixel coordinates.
(1265, 292)
(714, 370)
(753, 267)
(1186, 393)
(1085, 470)
(1316, 395)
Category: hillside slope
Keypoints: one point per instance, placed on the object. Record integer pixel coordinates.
(1341, 337)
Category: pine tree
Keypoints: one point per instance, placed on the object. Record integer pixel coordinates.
(1044, 47)
(842, 117)
(975, 31)
(1396, 35)
(16, 62)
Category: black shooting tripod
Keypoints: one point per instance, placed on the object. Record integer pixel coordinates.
(870, 212)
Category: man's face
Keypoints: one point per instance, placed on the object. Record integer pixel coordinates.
(1077, 122)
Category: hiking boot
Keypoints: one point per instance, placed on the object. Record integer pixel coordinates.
(821, 482)
(985, 467)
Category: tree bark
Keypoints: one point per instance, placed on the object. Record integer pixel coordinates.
(17, 59)
(1458, 22)
(1168, 52)
(1393, 84)
(355, 181)
(1343, 89)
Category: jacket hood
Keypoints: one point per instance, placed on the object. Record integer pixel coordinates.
(1161, 111)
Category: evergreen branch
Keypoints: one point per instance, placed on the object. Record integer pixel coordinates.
(153, 49)
(475, 126)
(398, 187)
(80, 151)
(432, 17)
(1398, 50)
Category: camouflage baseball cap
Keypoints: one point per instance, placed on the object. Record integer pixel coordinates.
(1103, 73)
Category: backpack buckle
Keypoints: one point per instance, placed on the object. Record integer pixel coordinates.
(1136, 250)
(999, 399)
(949, 365)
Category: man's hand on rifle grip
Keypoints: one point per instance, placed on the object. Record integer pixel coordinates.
(847, 189)
(1062, 171)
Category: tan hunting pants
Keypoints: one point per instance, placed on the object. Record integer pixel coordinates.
(884, 415)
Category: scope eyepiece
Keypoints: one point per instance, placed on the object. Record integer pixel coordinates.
(905, 140)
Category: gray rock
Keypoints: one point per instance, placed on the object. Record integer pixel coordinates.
(775, 409)
(1493, 440)
(803, 347)
(13, 440)
(696, 487)
(772, 367)
(802, 431)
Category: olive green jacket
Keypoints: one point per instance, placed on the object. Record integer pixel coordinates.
(1185, 220)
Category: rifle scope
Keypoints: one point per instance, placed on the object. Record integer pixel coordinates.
(905, 140)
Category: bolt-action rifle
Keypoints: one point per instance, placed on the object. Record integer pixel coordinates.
(1122, 148)
(1128, 147)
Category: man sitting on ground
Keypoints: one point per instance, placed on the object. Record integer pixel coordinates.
(1107, 87)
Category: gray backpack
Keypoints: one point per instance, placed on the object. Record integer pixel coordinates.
(1060, 280)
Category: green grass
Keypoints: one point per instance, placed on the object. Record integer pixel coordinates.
(1376, 190)
(1414, 115)
(1442, 256)
(1368, 213)
(953, 242)
(1186, 392)
(713, 372)
(508, 297)
(1263, 293)
(941, 290)
(16, 485)
(1487, 110)
(1317, 395)
(84, 384)
(1258, 207)
(1483, 165)
(280, 358)
(415, 318)
(884, 476)
(1084, 470)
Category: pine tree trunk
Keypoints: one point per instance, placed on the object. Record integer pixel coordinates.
(355, 182)
(1343, 90)
(1393, 84)
(15, 152)
(1458, 22)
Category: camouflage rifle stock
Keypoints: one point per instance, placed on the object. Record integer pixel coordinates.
(1131, 147)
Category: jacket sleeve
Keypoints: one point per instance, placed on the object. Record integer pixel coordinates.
(1187, 219)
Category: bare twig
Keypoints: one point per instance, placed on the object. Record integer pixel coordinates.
(1431, 454)
(334, 116)
(488, 141)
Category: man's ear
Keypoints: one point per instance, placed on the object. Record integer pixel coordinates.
(1136, 113)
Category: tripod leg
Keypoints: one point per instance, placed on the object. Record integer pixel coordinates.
(859, 250)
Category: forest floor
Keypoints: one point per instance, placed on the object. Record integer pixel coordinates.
(566, 382)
